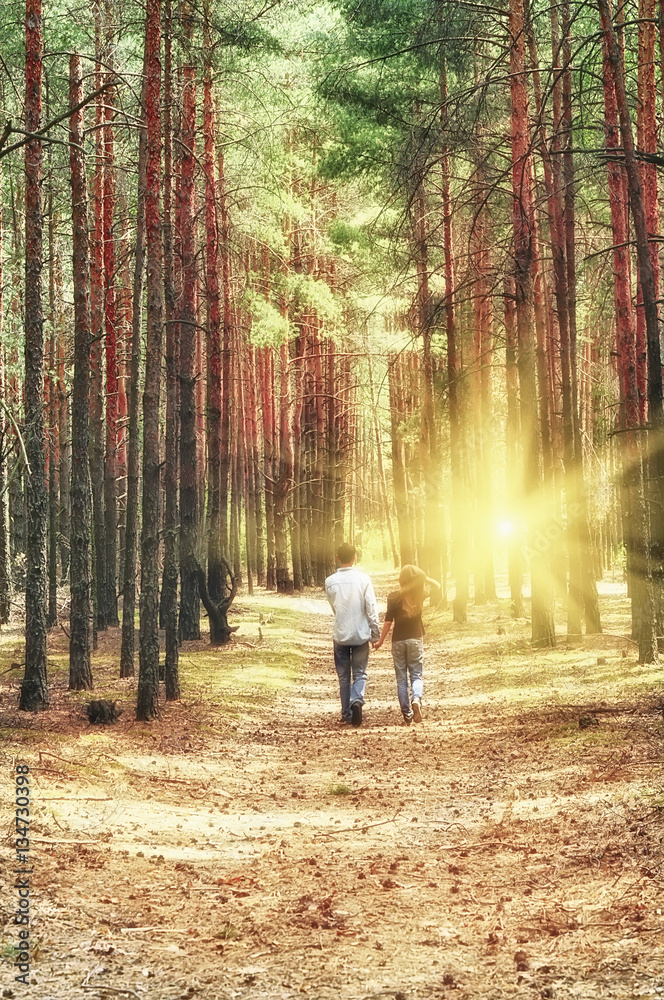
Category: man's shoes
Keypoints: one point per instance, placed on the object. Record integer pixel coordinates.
(356, 714)
(407, 719)
(417, 710)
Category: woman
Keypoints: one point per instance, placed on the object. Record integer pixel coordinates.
(404, 608)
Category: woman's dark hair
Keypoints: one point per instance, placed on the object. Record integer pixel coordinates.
(411, 589)
(346, 553)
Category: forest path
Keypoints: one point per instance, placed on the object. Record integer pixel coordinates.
(248, 845)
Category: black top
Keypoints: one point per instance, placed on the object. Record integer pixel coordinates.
(405, 626)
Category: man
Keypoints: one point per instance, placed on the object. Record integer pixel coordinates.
(351, 594)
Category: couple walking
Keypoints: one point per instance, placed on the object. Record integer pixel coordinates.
(351, 594)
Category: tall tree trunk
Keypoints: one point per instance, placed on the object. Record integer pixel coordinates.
(189, 513)
(485, 588)
(52, 433)
(110, 319)
(201, 382)
(642, 591)
(283, 479)
(579, 516)
(96, 361)
(225, 359)
(34, 694)
(298, 490)
(215, 570)
(318, 519)
(460, 566)
(147, 705)
(252, 409)
(406, 540)
(169, 594)
(235, 491)
(542, 625)
(330, 458)
(242, 465)
(514, 535)
(267, 402)
(249, 486)
(124, 364)
(16, 484)
(133, 431)
(5, 435)
(647, 143)
(642, 561)
(555, 182)
(387, 513)
(342, 458)
(80, 671)
(431, 558)
(625, 341)
(65, 458)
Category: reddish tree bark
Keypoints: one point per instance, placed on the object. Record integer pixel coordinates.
(80, 671)
(645, 268)
(646, 131)
(643, 612)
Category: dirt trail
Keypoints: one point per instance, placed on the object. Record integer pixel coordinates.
(496, 850)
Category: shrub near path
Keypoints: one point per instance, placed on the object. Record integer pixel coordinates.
(247, 845)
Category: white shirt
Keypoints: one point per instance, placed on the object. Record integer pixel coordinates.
(351, 594)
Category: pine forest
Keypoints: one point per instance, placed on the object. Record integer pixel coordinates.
(287, 286)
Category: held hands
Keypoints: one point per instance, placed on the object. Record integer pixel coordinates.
(377, 644)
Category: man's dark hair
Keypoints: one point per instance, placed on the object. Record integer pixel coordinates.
(346, 553)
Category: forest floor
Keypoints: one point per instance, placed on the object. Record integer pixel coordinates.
(246, 844)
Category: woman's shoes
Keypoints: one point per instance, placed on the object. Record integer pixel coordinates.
(417, 710)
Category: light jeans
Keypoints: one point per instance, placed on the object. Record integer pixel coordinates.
(351, 662)
(408, 656)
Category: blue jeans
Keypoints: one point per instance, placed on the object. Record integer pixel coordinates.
(408, 656)
(351, 662)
